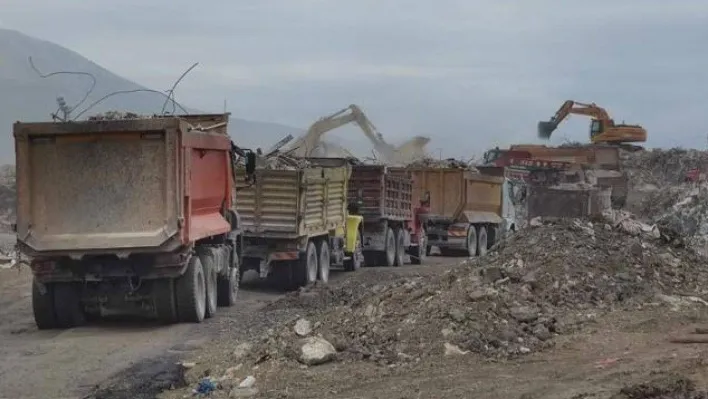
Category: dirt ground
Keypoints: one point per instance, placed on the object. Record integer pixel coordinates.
(616, 351)
(624, 349)
(115, 359)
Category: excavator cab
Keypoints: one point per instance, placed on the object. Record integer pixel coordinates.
(596, 128)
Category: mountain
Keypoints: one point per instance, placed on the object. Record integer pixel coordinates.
(25, 96)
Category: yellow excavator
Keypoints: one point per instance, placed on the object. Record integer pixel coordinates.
(311, 145)
(603, 129)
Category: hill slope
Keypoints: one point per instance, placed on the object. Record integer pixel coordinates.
(26, 96)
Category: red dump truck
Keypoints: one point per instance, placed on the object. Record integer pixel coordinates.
(129, 215)
(392, 232)
(465, 212)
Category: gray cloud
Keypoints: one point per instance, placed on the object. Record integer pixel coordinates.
(469, 73)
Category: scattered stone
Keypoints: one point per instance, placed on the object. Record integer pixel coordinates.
(541, 332)
(303, 327)
(492, 274)
(242, 350)
(315, 351)
(477, 295)
(457, 315)
(454, 350)
(524, 314)
(248, 382)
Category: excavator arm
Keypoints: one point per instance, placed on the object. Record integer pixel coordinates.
(546, 128)
(308, 144)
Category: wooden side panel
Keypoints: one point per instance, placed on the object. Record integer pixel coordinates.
(293, 203)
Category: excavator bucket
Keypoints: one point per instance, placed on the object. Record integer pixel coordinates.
(545, 129)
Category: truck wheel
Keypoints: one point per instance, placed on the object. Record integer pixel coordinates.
(43, 306)
(483, 242)
(67, 305)
(421, 251)
(227, 286)
(324, 262)
(400, 247)
(357, 258)
(191, 293)
(211, 293)
(390, 248)
(471, 241)
(211, 259)
(306, 267)
(163, 297)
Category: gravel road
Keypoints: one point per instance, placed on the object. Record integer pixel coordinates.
(115, 359)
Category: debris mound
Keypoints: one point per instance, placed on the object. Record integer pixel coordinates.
(672, 193)
(116, 115)
(547, 280)
(660, 167)
(429, 162)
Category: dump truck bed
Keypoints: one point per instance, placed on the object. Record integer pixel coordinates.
(292, 203)
(459, 195)
(386, 195)
(121, 185)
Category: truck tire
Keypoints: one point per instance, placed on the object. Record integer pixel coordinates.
(471, 241)
(211, 291)
(400, 247)
(389, 255)
(357, 258)
(421, 251)
(67, 305)
(324, 261)
(190, 290)
(305, 268)
(43, 306)
(163, 297)
(482, 241)
(211, 259)
(228, 285)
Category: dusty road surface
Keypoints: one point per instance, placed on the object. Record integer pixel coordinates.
(127, 358)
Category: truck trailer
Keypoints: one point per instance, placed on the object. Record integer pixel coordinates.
(128, 215)
(465, 212)
(393, 233)
(295, 222)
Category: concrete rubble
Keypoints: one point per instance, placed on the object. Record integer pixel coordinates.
(553, 278)
(115, 115)
(668, 195)
(443, 163)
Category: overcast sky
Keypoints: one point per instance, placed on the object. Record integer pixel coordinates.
(470, 74)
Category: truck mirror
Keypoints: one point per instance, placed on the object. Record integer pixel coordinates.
(250, 163)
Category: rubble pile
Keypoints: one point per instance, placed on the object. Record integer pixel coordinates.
(663, 168)
(667, 197)
(429, 162)
(547, 280)
(115, 115)
(7, 197)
